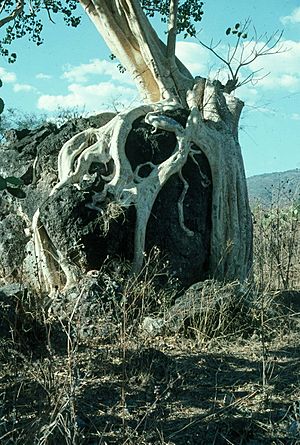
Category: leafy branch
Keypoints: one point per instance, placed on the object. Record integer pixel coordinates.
(188, 13)
(22, 18)
(10, 14)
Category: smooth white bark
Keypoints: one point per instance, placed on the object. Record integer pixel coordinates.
(212, 128)
(131, 38)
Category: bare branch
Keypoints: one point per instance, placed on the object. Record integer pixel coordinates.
(211, 49)
(251, 78)
(242, 55)
(243, 31)
(265, 50)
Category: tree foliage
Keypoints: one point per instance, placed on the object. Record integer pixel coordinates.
(26, 18)
(21, 18)
(189, 12)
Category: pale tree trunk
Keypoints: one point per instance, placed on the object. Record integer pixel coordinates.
(212, 129)
(131, 38)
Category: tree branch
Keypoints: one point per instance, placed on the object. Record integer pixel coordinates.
(132, 39)
(172, 30)
(17, 11)
(243, 60)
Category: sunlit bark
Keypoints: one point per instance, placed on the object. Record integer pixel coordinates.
(212, 128)
(131, 38)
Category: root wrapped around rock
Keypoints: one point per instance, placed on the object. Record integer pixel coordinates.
(210, 130)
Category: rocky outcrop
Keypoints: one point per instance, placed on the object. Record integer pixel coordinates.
(85, 236)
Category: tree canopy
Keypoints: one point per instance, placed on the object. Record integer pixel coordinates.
(21, 18)
(25, 18)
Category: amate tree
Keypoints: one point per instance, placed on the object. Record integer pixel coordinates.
(166, 86)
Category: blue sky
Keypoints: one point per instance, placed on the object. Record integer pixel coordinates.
(72, 68)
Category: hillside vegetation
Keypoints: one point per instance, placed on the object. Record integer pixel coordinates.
(278, 187)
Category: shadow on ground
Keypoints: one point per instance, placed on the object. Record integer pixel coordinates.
(172, 393)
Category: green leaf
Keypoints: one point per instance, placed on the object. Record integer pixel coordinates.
(1, 83)
(228, 31)
(15, 181)
(244, 36)
(237, 25)
(2, 183)
(1, 105)
(18, 193)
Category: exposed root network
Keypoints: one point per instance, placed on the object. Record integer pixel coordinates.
(210, 129)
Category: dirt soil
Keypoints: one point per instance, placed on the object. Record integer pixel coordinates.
(141, 390)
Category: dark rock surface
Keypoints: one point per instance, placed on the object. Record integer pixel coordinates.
(76, 230)
(13, 241)
(187, 256)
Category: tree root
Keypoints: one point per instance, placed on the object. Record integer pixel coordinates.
(211, 126)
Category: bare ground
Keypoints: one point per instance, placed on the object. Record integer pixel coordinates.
(129, 388)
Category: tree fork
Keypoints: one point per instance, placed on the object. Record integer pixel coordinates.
(130, 36)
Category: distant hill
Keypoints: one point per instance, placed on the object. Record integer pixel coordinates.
(277, 187)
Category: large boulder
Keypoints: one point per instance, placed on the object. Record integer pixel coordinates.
(86, 237)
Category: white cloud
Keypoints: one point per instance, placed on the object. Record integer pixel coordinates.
(23, 87)
(91, 97)
(284, 68)
(295, 116)
(43, 76)
(293, 18)
(248, 94)
(82, 73)
(195, 57)
(7, 76)
(288, 82)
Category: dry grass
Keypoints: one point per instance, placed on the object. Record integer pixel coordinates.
(112, 212)
(277, 246)
(220, 367)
